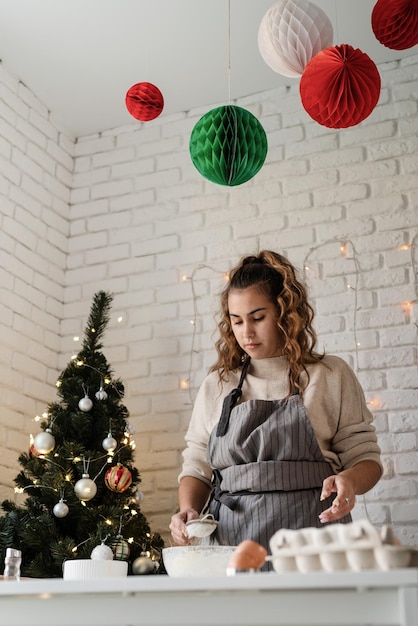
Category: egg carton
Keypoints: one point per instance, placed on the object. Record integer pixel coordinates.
(355, 546)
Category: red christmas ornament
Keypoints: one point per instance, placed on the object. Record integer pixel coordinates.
(118, 478)
(340, 86)
(144, 101)
(395, 23)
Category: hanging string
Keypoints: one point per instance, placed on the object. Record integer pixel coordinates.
(229, 51)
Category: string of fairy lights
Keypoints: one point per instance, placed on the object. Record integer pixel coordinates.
(348, 251)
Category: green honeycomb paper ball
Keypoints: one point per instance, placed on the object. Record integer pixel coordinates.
(228, 145)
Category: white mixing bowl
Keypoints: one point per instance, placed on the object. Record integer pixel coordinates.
(197, 561)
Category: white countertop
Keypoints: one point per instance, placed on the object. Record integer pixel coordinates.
(342, 598)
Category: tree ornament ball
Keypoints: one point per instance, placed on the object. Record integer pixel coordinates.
(228, 145)
(101, 394)
(144, 101)
(109, 443)
(118, 478)
(121, 549)
(61, 509)
(44, 442)
(85, 404)
(395, 23)
(102, 553)
(139, 495)
(143, 565)
(340, 86)
(85, 489)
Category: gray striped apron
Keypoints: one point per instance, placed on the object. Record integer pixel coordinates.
(268, 469)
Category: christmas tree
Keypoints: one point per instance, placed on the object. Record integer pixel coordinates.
(79, 479)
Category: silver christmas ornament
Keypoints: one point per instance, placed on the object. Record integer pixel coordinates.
(139, 495)
(60, 509)
(85, 404)
(143, 565)
(85, 489)
(44, 442)
(109, 443)
(101, 394)
(102, 553)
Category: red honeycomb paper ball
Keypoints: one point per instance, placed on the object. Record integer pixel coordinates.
(144, 101)
(395, 23)
(340, 86)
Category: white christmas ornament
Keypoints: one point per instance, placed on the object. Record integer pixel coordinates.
(60, 509)
(102, 553)
(291, 33)
(44, 442)
(85, 488)
(85, 404)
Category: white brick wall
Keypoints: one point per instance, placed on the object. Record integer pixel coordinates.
(141, 219)
(35, 176)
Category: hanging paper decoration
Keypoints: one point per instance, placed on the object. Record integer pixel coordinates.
(291, 33)
(395, 23)
(340, 87)
(118, 478)
(144, 101)
(228, 145)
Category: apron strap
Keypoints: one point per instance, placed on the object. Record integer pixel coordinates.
(230, 401)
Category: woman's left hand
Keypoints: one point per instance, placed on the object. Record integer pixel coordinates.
(344, 501)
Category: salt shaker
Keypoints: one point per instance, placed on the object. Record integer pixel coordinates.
(12, 564)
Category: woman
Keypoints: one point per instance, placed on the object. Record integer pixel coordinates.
(280, 436)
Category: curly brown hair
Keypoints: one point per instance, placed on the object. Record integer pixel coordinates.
(276, 277)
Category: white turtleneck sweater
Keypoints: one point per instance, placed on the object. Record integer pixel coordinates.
(334, 401)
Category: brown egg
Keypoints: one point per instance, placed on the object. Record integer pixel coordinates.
(248, 555)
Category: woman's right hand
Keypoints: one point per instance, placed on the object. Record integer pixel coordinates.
(178, 526)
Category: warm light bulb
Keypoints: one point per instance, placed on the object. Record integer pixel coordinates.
(76, 338)
(184, 278)
(184, 384)
(130, 540)
(109, 522)
(133, 512)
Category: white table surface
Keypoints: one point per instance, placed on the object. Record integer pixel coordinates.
(344, 598)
